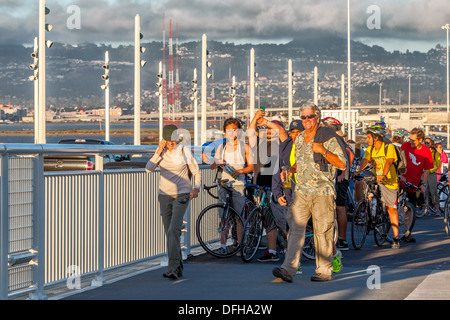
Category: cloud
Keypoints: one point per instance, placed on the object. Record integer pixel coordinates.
(112, 21)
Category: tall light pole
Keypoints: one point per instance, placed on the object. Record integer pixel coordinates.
(106, 88)
(195, 99)
(159, 94)
(252, 83)
(205, 76)
(447, 27)
(381, 85)
(316, 86)
(34, 78)
(138, 63)
(43, 27)
(290, 91)
(233, 96)
(349, 73)
(409, 95)
(343, 100)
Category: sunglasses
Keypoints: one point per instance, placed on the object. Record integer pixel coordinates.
(260, 128)
(309, 116)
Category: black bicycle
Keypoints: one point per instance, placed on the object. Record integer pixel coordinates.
(370, 214)
(407, 213)
(253, 228)
(219, 226)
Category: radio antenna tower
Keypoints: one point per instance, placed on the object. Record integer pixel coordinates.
(171, 85)
(164, 81)
(177, 78)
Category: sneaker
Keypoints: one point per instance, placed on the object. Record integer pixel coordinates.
(282, 273)
(320, 278)
(342, 244)
(299, 270)
(171, 275)
(337, 264)
(269, 257)
(408, 238)
(396, 243)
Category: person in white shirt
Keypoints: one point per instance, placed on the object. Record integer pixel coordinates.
(176, 163)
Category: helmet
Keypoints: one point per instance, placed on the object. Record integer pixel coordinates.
(399, 133)
(380, 123)
(377, 130)
(332, 123)
(278, 123)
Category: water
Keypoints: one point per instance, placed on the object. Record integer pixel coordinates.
(29, 138)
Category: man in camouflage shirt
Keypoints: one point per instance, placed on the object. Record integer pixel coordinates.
(314, 196)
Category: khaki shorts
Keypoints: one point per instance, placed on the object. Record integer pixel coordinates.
(389, 196)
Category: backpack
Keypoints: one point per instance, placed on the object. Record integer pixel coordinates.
(400, 164)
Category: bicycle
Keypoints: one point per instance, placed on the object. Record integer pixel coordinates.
(309, 247)
(219, 226)
(253, 227)
(447, 216)
(370, 214)
(443, 191)
(407, 213)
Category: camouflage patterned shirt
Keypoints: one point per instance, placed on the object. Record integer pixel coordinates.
(312, 181)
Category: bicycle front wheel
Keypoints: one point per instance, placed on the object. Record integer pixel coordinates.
(251, 237)
(447, 216)
(382, 228)
(219, 230)
(309, 248)
(406, 220)
(360, 224)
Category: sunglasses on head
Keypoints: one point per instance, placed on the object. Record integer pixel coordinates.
(309, 116)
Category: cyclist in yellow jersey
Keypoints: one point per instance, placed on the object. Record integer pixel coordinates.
(382, 156)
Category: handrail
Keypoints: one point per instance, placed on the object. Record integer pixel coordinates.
(23, 148)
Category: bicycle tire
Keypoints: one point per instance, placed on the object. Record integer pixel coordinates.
(211, 229)
(443, 193)
(252, 234)
(447, 216)
(309, 248)
(382, 227)
(360, 224)
(406, 221)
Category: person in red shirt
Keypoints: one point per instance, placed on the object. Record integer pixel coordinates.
(419, 163)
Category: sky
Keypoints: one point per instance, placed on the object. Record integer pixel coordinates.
(393, 24)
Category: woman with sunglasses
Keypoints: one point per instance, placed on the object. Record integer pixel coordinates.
(176, 163)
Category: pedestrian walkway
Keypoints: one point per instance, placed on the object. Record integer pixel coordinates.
(415, 271)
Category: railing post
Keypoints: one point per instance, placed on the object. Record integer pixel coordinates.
(4, 228)
(38, 229)
(99, 280)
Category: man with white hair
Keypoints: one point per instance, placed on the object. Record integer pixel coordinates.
(316, 166)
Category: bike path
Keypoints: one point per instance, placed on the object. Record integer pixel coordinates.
(418, 270)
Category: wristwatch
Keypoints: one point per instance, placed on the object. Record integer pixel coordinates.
(325, 153)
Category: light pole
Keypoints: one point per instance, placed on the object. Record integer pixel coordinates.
(34, 78)
(409, 95)
(105, 87)
(349, 73)
(316, 86)
(159, 94)
(195, 99)
(205, 76)
(138, 63)
(43, 27)
(233, 96)
(343, 100)
(381, 85)
(252, 83)
(290, 90)
(447, 27)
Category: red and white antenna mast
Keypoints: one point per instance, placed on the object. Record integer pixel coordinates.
(171, 84)
(164, 81)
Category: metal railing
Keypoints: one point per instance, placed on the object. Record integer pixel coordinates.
(55, 225)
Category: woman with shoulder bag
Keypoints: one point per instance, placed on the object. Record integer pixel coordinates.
(175, 191)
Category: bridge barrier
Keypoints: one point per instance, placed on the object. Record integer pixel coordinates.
(57, 225)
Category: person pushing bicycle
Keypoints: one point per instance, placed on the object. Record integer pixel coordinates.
(382, 155)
